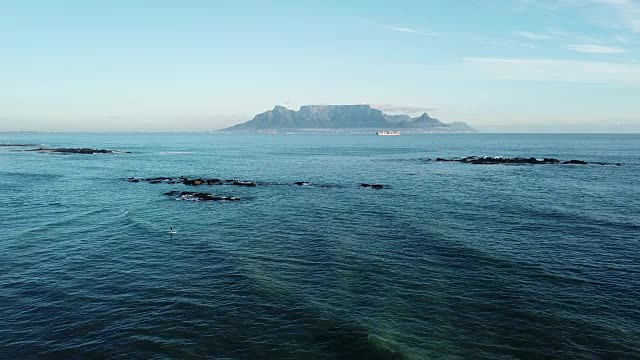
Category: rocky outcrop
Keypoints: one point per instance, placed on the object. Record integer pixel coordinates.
(575, 162)
(157, 180)
(213, 181)
(492, 160)
(75, 151)
(234, 182)
(199, 196)
(241, 183)
(489, 160)
(310, 184)
(373, 186)
(192, 182)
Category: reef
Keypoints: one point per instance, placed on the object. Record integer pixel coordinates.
(192, 182)
(234, 182)
(492, 160)
(199, 196)
(373, 186)
(76, 151)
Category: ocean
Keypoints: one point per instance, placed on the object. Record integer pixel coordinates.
(448, 261)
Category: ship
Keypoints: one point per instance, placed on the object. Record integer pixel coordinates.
(387, 133)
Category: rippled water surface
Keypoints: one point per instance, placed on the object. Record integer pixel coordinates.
(450, 260)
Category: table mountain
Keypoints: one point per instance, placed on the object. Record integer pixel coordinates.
(343, 117)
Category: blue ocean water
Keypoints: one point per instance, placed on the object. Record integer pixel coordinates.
(450, 261)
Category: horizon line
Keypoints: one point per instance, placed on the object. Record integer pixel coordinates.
(309, 132)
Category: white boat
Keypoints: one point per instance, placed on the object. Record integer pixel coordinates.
(388, 133)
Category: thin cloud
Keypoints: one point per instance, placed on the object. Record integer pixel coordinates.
(402, 108)
(409, 30)
(556, 70)
(595, 49)
(402, 29)
(499, 43)
(628, 10)
(525, 5)
(621, 39)
(569, 36)
(531, 36)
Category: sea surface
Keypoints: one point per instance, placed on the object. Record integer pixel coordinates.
(449, 261)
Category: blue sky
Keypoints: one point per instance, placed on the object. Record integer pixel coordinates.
(512, 65)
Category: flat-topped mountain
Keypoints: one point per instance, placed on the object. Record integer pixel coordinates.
(344, 117)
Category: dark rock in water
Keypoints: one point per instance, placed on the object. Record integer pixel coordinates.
(75, 151)
(156, 180)
(159, 179)
(373, 186)
(191, 182)
(244, 183)
(199, 196)
(194, 182)
(232, 182)
(240, 183)
(490, 160)
(577, 162)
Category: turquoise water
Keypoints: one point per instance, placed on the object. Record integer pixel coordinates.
(451, 260)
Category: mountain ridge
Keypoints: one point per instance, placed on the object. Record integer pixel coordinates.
(335, 117)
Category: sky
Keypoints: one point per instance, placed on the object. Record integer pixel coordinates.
(500, 65)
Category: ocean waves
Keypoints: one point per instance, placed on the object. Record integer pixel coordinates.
(451, 261)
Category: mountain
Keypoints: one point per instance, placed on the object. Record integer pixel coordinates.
(397, 118)
(424, 121)
(461, 127)
(278, 118)
(319, 117)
